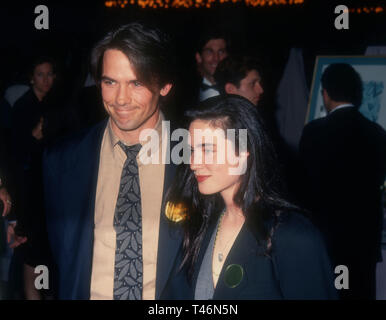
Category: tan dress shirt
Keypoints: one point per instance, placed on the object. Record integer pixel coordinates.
(151, 178)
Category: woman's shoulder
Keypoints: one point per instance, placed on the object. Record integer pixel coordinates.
(295, 229)
(26, 98)
(301, 260)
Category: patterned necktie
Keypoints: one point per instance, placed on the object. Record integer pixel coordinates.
(128, 271)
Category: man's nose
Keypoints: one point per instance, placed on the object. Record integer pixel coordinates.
(259, 89)
(216, 57)
(123, 96)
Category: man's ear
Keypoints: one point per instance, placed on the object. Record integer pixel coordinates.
(325, 94)
(198, 58)
(165, 90)
(230, 88)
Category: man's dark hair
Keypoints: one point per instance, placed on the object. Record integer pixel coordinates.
(343, 83)
(233, 69)
(149, 51)
(210, 34)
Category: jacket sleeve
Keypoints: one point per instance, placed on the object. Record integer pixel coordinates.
(301, 262)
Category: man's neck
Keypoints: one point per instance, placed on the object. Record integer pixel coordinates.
(335, 104)
(209, 79)
(132, 137)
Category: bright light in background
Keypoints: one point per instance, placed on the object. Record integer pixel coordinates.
(208, 4)
(196, 3)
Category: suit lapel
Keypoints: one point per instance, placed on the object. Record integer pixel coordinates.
(95, 148)
(85, 243)
(169, 239)
(170, 234)
(243, 249)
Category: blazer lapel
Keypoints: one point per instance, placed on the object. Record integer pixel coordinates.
(243, 249)
(204, 246)
(169, 239)
(85, 243)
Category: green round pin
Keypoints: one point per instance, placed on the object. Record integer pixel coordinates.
(234, 273)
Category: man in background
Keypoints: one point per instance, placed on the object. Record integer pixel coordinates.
(212, 47)
(344, 157)
(239, 75)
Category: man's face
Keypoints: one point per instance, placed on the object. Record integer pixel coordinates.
(130, 104)
(213, 52)
(250, 87)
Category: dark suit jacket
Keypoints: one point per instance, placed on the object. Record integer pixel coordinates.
(344, 157)
(70, 180)
(298, 268)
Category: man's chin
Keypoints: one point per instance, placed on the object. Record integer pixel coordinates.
(125, 125)
(128, 127)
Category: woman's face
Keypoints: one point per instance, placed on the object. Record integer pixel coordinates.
(215, 176)
(43, 78)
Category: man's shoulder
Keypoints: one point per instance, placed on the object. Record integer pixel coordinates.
(372, 126)
(361, 127)
(312, 130)
(75, 143)
(315, 124)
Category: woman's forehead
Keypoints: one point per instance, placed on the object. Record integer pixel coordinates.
(204, 134)
(208, 125)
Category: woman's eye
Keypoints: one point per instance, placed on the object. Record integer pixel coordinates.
(137, 83)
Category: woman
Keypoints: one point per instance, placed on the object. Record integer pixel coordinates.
(29, 124)
(28, 111)
(242, 238)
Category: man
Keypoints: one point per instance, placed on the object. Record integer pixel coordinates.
(239, 75)
(108, 234)
(344, 156)
(211, 49)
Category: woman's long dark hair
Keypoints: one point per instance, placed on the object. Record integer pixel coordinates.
(261, 192)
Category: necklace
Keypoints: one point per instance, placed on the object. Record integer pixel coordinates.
(220, 255)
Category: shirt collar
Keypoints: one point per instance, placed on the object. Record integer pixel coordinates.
(206, 81)
(113, 139)
(346, 105)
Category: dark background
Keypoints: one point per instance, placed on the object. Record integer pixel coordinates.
(268, 31)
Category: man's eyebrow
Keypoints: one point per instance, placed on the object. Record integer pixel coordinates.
(111, 79)
(107, 78)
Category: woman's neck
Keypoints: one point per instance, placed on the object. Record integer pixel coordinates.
(40, 95)
(234, 212)
(231, 209)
